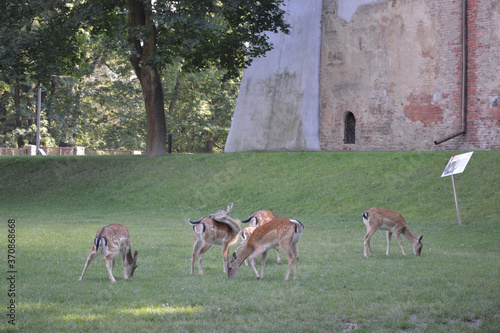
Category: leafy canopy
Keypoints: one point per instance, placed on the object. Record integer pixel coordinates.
(226, 33)
(39, 38)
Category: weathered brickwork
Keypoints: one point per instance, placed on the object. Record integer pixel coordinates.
(397, 66)
(483, 119)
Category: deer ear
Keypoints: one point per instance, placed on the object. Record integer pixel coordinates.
(420, 238)
(229, 207)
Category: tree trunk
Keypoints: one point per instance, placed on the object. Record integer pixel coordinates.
(155, 112)
(146, 71)
(19, 117)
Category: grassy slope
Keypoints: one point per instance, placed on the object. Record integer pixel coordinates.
(59, 202)
(330, 185)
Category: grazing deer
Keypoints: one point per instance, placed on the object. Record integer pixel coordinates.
(219, 229)
(258, 219)
(245, 235)
(385, 219)
(110, 241)
(283, 231)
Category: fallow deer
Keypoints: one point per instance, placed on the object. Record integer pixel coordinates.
(283, 231)
(258, 219)
(386, 219)
(110, 241)
(213, 230)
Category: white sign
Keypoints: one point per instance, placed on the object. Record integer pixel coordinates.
(457, 164)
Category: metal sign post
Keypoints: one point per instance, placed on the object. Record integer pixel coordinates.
(456, 199)
(38, 115)
(456, 165)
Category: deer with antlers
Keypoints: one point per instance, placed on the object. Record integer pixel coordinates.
(391, 221)
(110, 241)
(283, 231)
(219, 229)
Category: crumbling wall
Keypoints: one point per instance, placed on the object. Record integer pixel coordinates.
(397, 66)
(483, 88)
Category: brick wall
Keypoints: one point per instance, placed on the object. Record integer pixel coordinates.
(483, 111)
(397, 66)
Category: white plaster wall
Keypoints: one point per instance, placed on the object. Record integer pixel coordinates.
(347, 8)
(278, 102)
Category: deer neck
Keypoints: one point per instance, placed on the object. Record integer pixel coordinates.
(128, 256)
(408, 234)
(232, 223)
(245, 253)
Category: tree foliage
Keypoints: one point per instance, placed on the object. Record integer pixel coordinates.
(37, 38)
(203, 44)
(200, 108)
(227, 34)
(35, 43)
(105, 110)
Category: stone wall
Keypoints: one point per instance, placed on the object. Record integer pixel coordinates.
(483, 118)
(32, 150)
(391, 68)
(397, 67)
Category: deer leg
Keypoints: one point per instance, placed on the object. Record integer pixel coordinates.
(200, 257)
(263, 263)
(251, 258)
(246, 261)
(196, 248)
(108, 262)
(295, 252)
(91, 257)
(398, 237)
(368, 235)
(289, 255)
(225, 250)
(389, 236)
(278, 253)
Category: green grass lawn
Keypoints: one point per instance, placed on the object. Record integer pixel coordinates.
(59, 203)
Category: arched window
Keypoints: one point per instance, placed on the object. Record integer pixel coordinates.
(349, 128)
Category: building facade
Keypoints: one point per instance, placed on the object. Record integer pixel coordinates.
(393, 75)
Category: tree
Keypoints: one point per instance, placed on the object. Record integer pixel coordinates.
(199, 108)
(224, 33)
(105, 109)
(42, 38)
(35, 43)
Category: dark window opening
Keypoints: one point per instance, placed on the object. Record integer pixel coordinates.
(349, 128)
